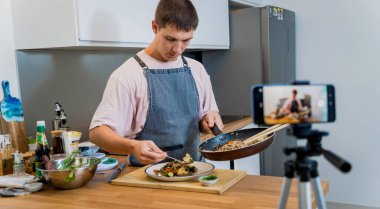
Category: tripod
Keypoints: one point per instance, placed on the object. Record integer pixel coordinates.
(306, 169)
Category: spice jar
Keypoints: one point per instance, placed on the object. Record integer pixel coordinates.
(18, 163)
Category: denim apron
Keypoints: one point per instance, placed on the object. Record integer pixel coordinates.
(172, 118)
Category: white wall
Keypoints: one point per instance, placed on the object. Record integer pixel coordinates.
(8, 70)
(339, 42)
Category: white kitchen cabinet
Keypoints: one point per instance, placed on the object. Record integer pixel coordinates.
(81, 24)
(248, 3)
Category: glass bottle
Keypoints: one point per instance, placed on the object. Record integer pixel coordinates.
(57, 141)
(18, 163)
(42, 148)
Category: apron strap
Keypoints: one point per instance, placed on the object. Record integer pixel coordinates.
(184, 62)
(141, 63)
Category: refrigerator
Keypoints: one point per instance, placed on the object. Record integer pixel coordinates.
(262, 51)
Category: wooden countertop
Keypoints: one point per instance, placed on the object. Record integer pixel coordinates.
(259, 192)
(250, 192)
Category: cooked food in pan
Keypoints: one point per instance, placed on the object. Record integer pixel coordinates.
(236, 144)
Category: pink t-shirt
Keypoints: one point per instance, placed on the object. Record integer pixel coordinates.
(124, 105)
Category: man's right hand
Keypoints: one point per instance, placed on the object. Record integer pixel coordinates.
(147, 152)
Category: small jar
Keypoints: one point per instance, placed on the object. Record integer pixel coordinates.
(18, 163)
(57, 141)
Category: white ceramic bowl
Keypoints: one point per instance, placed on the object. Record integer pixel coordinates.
(207, 182)
(87, 148)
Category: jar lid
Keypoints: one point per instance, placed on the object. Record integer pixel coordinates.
(56, 132)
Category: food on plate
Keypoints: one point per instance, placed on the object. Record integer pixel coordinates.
(176, 168)
(187, 158)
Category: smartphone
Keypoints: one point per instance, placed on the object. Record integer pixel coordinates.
(292, 104)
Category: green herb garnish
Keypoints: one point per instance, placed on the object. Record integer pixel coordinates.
(66, 164)
(209, 178)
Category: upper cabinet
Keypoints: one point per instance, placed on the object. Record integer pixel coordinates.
(108, 23)
(247, 3)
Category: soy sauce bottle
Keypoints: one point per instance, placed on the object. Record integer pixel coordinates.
(42, 148)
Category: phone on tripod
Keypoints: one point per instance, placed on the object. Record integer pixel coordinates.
(280, 104)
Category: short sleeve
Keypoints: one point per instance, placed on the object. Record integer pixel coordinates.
(115, 109)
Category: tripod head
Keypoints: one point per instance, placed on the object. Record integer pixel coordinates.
(314, 147)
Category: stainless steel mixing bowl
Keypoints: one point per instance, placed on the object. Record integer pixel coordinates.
(83, 174)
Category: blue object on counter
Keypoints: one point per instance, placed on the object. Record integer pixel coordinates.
(11, 107)
(107, 163)
(88, 151)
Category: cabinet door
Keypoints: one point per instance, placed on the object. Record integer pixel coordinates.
(116, 20)
(213, 27)
(248, 2)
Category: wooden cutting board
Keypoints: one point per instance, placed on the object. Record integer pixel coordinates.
(12, 119)
(138, 178)
(17, 132)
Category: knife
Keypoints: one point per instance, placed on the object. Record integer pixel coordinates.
(116, 172)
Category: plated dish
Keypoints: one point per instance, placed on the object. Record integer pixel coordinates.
(203, 168)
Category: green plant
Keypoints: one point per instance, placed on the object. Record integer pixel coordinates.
(31, 140)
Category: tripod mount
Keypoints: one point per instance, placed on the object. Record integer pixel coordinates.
(306, 169)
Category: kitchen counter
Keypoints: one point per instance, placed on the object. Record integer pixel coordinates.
(250, 192)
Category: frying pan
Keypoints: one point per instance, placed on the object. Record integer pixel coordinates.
(206, 148)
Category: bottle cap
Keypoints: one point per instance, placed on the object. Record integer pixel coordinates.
(40, 129)
(41, 123)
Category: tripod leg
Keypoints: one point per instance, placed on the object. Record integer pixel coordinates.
(287, 182)
(318, 193)
(304, 197)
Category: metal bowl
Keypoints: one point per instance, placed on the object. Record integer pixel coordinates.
(82, 174)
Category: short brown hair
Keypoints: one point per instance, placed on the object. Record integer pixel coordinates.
(180, 13)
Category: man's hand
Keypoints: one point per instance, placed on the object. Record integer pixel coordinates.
(147, 152)
(210, 120)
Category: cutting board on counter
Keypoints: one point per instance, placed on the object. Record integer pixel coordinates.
(138, 178)
(12, 119)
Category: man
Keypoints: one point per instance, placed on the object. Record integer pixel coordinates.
(292, 105)
(156, 102)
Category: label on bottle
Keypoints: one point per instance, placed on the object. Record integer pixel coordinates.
(41, 138)
(38, 171)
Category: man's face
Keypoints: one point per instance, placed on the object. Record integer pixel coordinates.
(170, 42)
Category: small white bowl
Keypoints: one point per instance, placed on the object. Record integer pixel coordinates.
(33, 187)
(207, 182)
(87, 148)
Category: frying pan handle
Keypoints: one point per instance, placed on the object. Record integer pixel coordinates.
(216, 130)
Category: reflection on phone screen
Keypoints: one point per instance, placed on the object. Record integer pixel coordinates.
(295, 104)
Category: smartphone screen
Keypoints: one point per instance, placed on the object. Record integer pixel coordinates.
(279, 104)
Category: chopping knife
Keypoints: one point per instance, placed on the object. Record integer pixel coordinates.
(116, 172)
